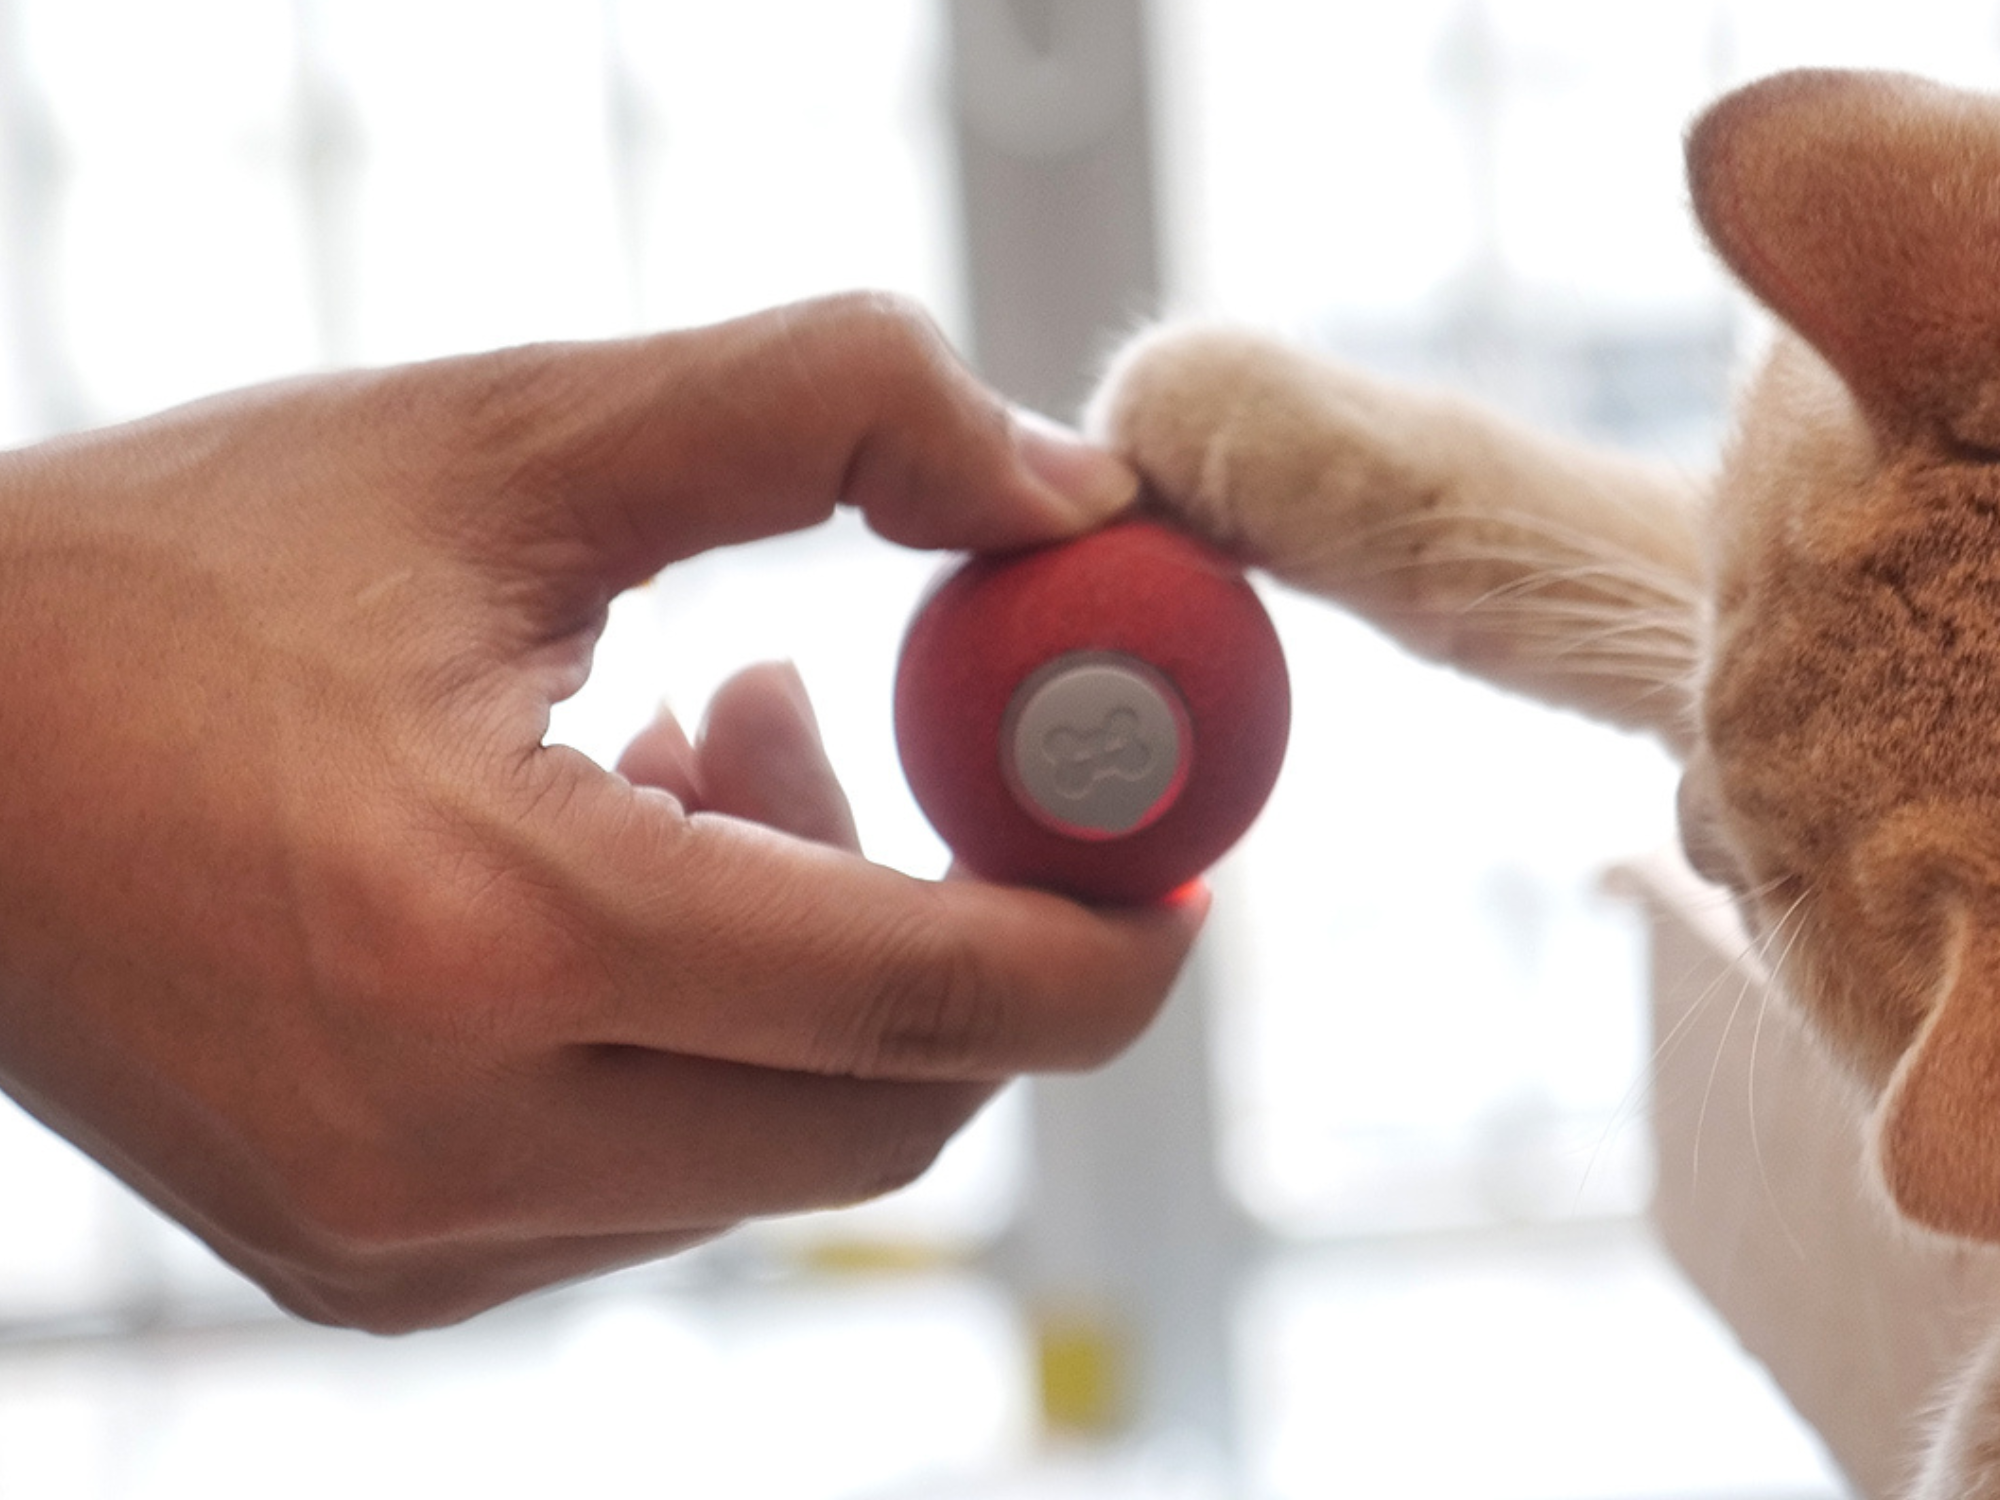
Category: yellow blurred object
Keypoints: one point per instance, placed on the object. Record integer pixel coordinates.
(1084, 1362)
(862, 1257)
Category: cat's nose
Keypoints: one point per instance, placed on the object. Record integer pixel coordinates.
(1697, 808)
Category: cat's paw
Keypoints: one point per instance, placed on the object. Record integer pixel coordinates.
(1535, 563)
(1281, 457)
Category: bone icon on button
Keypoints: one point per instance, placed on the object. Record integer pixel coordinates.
(1096, 745)
(1081, 759)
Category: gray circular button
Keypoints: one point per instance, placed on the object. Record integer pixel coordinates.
(1096, 744)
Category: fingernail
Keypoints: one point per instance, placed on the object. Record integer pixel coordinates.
(1194, 900)
(1092, 484)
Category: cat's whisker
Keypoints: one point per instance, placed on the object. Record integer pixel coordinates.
(1536, 569)
(1548, 590)
(1658, 674)
(1543, 593)
(1582, 559)
(1584, 630)
(1768, 938)
(1572, 538)
(1542, 573)
(1575, 623)
(1493, 515)
(1535, 597)
(1776, 969)
(1724, 898)
(1664, 1046)
(1708, 1089)
(1613, 658)
(1751, 970)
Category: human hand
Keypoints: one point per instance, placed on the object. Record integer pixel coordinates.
(305, 932)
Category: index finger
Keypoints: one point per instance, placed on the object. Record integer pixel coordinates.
(648, 450)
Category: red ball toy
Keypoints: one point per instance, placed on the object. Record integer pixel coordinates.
(1103, 717)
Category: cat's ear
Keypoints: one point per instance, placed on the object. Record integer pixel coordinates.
(1864, 209)
(1937, 1136)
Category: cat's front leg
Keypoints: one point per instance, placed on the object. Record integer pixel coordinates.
(1565, 573)
(1962, 1460)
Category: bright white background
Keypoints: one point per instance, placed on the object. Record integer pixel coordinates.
(1432, 1049)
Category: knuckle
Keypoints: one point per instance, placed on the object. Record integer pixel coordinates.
(376, 1239)
(899, 323)
(374, 1248)
(896, 341)
(385, 1305)
(435, 938)
(512, 419)
(901, 1161)
(936, 1012)
(316, 1260)
(335, 1306)
(928, 1116)
(358, 1210)
(508, 395)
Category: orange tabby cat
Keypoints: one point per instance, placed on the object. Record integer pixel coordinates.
(1816, 633)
